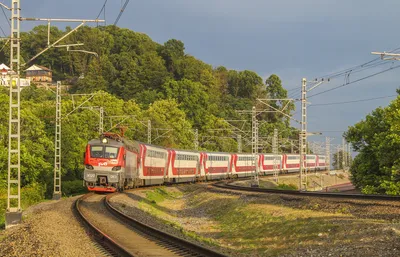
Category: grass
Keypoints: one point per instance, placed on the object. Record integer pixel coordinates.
(252, 226)
(160, 197)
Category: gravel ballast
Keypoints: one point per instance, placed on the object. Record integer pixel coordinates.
(48, 229)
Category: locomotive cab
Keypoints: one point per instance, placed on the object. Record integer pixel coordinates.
(104, 162)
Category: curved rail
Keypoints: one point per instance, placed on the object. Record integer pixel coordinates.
(176, 242)
(108, 243)
(228, 185)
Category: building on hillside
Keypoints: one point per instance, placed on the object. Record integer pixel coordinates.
(38, 73)
(5, 77)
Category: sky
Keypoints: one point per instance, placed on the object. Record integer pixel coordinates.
(291, 38)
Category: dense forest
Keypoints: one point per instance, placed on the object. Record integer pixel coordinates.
(139, 79)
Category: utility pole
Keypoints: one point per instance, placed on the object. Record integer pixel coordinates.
(303, 137)
(343, 156)
(149, 131)
(196, 139)
(14, 212)
(254, 146)
(239, 142)
(349, 155)
(101, 121)
(275, 153)
(57, 146)
(328, 153)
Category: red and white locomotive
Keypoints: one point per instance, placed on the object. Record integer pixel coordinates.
(114, 163)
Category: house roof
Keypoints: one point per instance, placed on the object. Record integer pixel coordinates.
(4, 67)
(37, 67)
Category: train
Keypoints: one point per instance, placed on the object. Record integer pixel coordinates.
(113, 163)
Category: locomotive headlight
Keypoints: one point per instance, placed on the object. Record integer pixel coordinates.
(116, 168)
(104, 140)
(89, 167)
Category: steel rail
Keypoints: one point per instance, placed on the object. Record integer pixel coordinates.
(225, 185)
(193, 248)
(103, 239)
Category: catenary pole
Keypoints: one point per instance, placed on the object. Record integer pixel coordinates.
(57, 146)
(275, 154)
(14, 211)
(254, 146)
(303, 137)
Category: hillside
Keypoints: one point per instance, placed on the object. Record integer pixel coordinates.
(136, 77)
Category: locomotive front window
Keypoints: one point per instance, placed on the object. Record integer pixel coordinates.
(96, 151)
(111, 152)
(108, 152)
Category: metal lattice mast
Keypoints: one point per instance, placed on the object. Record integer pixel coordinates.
(196, 139)
(275, 152)
(13, 213)
(328, 153)
(101, 121)
(343, 154)
(254, 145)
(239, 142)
(57, 144)
(303, 137)
(149, 131)
(348, 155)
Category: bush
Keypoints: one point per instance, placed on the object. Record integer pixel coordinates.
(32, 194)
(74, 187)
(286, 187)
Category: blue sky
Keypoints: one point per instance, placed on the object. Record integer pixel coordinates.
(291, 38)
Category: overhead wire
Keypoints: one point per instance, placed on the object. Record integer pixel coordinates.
(5, 15)
(355, 101)
(366, 64)
(357, 80)
(101, 10)
(120, 13)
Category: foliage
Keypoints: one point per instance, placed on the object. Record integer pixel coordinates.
(71, 188)
(286, 187)
(338, 159)
(376, 168)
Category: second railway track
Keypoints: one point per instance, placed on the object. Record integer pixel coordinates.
(128, 237)
(229, 186)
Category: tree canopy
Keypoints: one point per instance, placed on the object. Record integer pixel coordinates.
(376, 169)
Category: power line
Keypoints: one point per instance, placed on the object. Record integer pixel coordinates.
(355, 101)
(351, 69)
(122, 10)
(5, 15)
(3, 31)
(345, 84)
(102, 8)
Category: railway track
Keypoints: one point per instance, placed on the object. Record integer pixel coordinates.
(124, 236)
(229, 186)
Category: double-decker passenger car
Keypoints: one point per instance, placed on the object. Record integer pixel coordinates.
(243, 165)
(270, 162)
